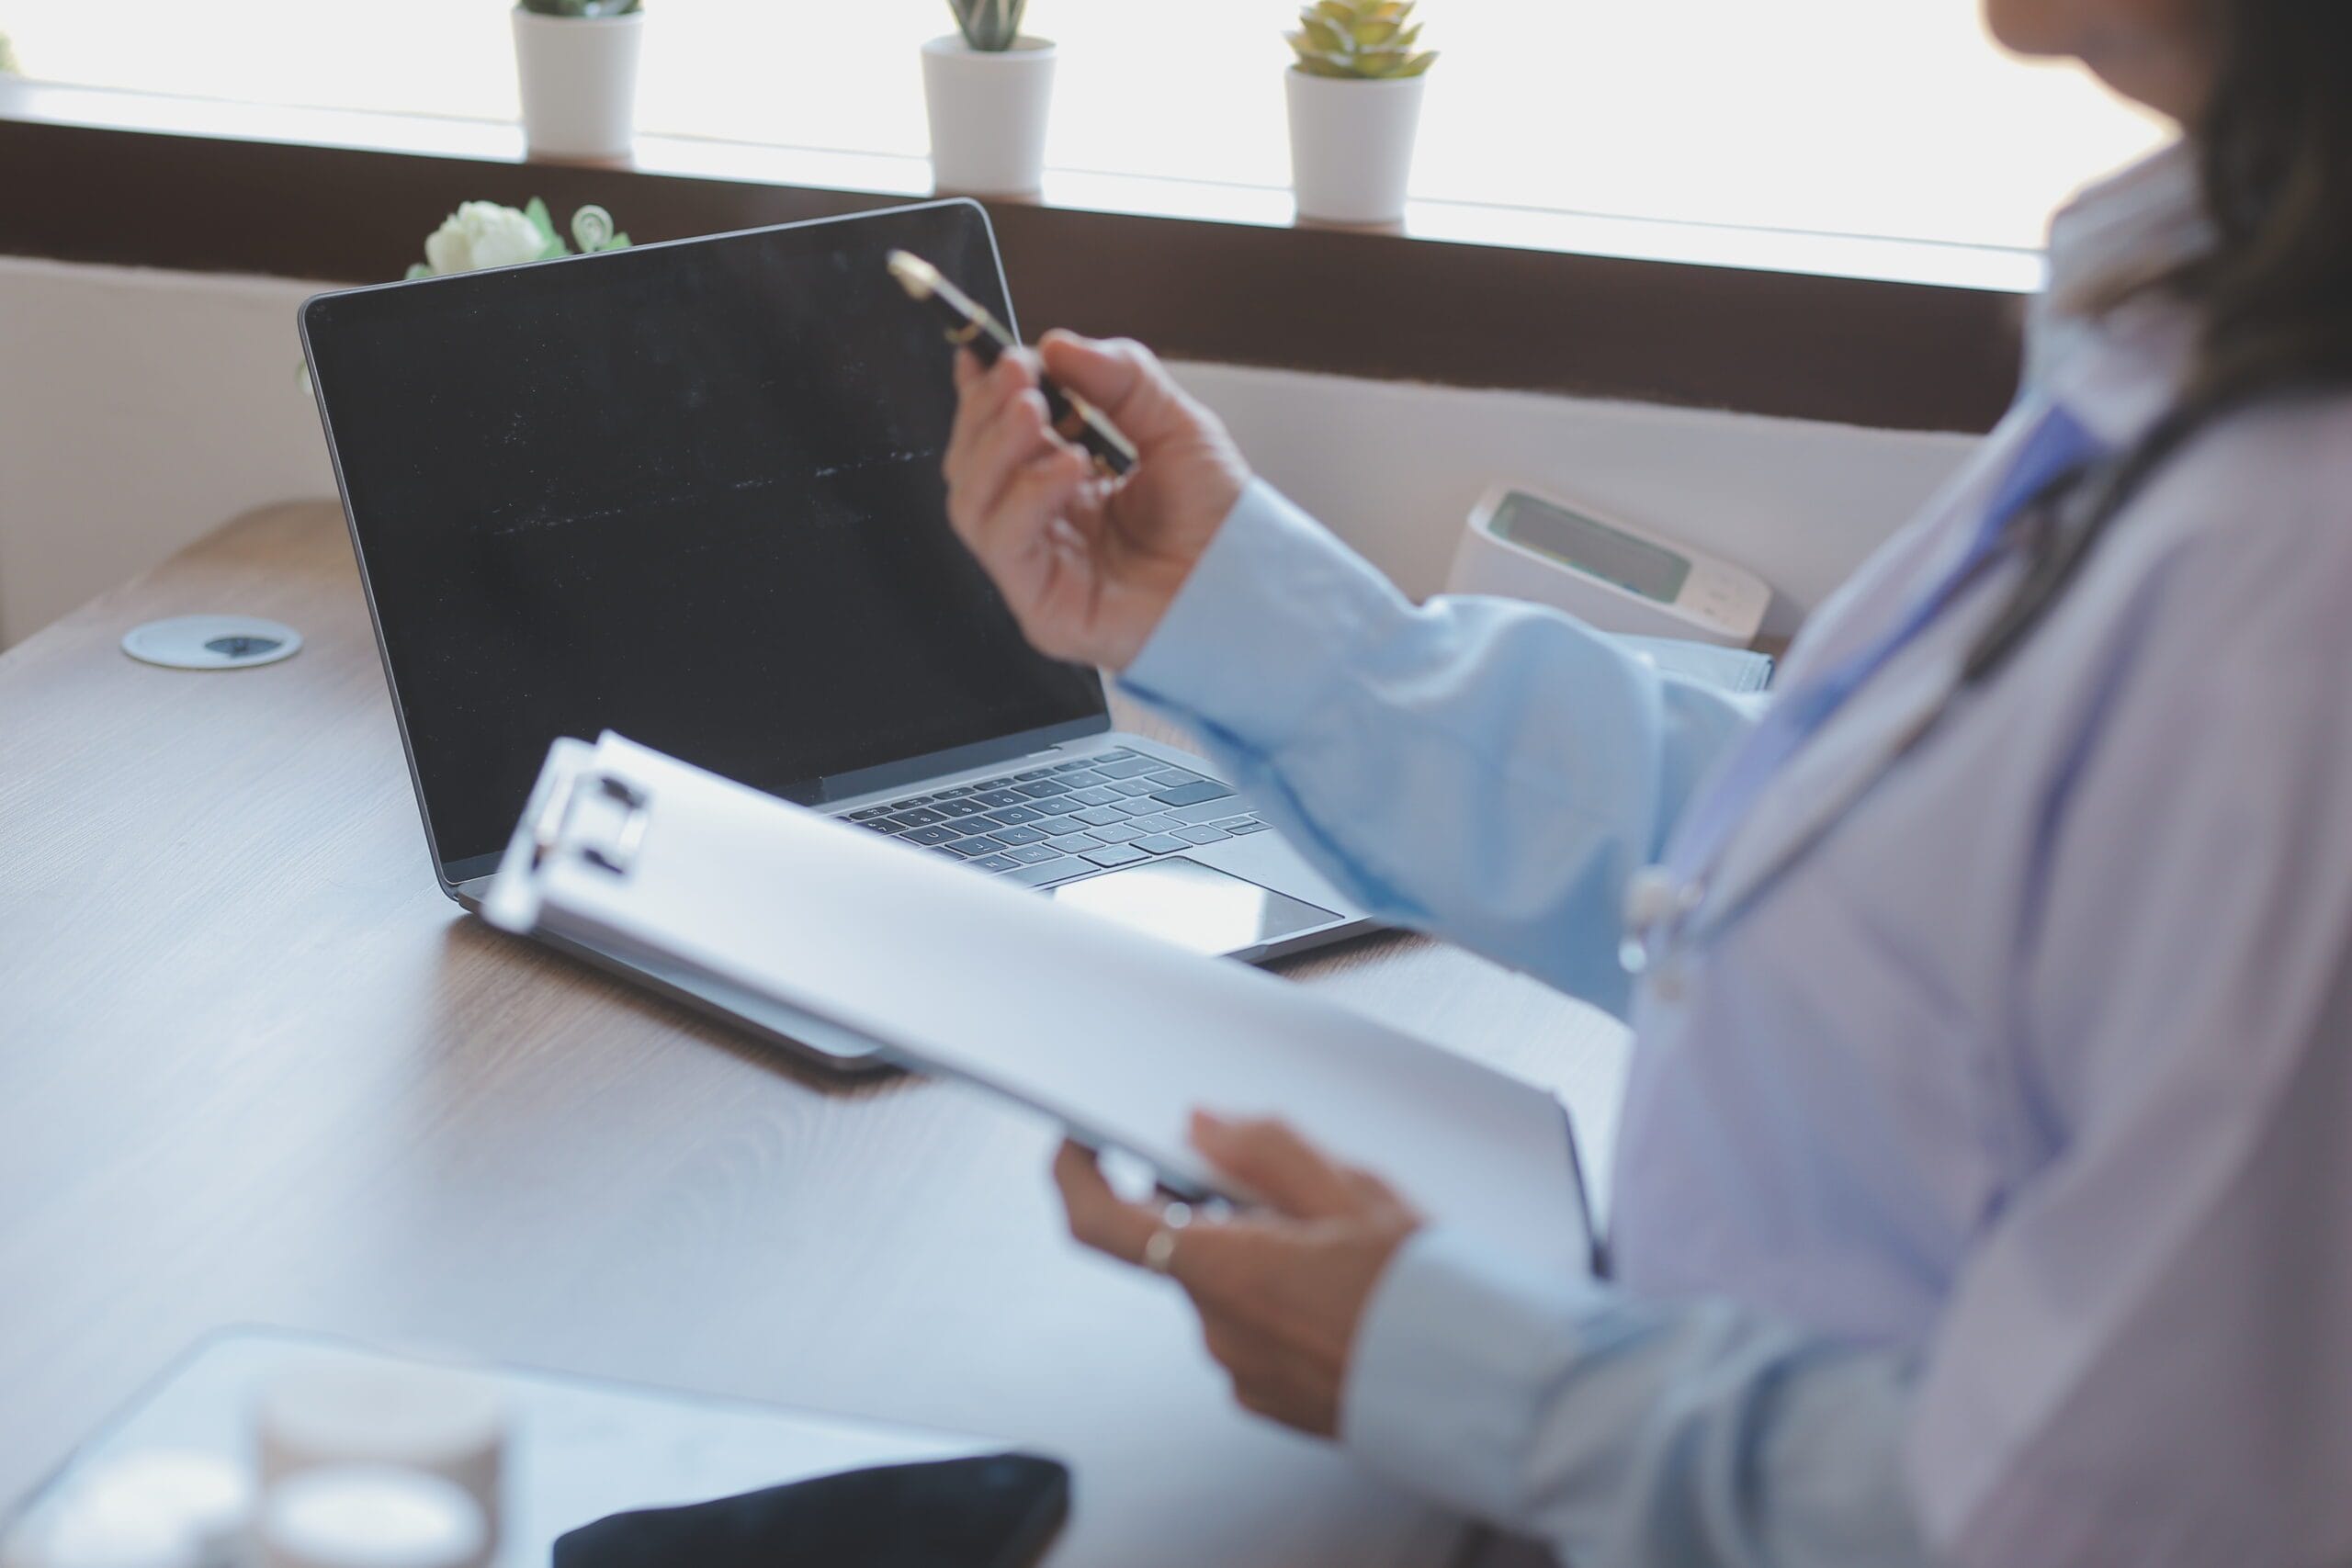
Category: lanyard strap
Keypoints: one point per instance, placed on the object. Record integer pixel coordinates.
(2056, 450)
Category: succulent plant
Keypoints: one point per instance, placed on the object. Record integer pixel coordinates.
(582, 9)
(1369, 41)
(988, 25)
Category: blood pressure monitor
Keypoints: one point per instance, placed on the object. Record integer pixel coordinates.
(1612, 575)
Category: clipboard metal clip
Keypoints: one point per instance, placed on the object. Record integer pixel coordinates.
(601, 815)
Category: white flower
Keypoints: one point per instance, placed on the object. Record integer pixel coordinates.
(483, 233)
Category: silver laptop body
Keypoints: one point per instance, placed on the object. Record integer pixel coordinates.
(528, 577)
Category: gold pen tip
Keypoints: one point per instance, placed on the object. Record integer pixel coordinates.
(916, 276)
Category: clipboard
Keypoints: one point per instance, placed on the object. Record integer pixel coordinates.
(1116, 1033)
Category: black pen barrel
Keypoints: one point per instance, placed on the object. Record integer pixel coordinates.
(968, 325)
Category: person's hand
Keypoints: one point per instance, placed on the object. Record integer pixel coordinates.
(1280, 1290)
(1088, 564)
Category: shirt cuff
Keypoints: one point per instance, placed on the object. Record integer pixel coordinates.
(1445, 1380)
(1265, 625)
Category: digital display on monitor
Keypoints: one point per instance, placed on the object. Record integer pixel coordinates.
(691, 493)
(1611, 554)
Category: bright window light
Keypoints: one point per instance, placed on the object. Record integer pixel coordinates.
(1889, 118)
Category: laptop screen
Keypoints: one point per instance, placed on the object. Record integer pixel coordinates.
(689, 492)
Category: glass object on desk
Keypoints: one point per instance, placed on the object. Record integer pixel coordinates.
(147, 1508)
(372, 1516)
(337, 1412)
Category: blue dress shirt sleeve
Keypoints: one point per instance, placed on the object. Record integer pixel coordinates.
(1479, 767)
(1625, 1434)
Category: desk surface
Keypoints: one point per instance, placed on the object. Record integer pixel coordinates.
(254, 1068)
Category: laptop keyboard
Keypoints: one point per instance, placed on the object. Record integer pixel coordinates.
(1043, 824)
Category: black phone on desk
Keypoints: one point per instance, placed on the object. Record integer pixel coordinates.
(981, 1511)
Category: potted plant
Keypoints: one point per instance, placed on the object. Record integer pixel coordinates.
(483, 233)
(1355, 103)
(988, 89)
(576, 64)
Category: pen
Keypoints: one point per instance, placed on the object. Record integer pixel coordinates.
(969, 325)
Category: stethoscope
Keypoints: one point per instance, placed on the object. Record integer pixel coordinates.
(1668, 914)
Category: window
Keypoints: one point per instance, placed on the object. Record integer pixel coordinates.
(1887, 117)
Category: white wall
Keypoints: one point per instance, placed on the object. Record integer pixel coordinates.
(1395, 468)
(139, 409)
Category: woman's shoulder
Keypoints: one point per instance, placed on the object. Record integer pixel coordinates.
(2286, 461)
(2255, 514)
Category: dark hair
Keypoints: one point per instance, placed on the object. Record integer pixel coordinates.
(2274, 292)
(2275, 143)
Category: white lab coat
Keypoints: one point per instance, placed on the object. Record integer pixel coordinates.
(1985, 1193)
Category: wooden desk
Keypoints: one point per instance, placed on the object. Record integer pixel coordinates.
(254, 1068)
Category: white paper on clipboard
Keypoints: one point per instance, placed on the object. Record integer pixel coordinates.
(1115, 1032)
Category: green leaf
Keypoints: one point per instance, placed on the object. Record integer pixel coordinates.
(1325, 36)
(618, 243)
(541, 220)
(415, 271)
(1370, 39)
(989, 27)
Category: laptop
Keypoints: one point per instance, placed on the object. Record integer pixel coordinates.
(691, 493)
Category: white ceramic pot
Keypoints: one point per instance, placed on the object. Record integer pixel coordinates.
(579, 81)
(988, 115)
(1352, 146)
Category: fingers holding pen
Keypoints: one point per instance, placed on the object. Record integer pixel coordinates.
(1036, 499)
(1021, 429)
(1119, 375)
(1009, 464)
(981, 393)
(1000, 424)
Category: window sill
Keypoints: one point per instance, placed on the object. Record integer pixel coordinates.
(1887, 333)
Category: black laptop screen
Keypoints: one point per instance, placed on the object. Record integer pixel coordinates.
(687, 493)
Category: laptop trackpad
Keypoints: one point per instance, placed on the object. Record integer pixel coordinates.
(1193, 906)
